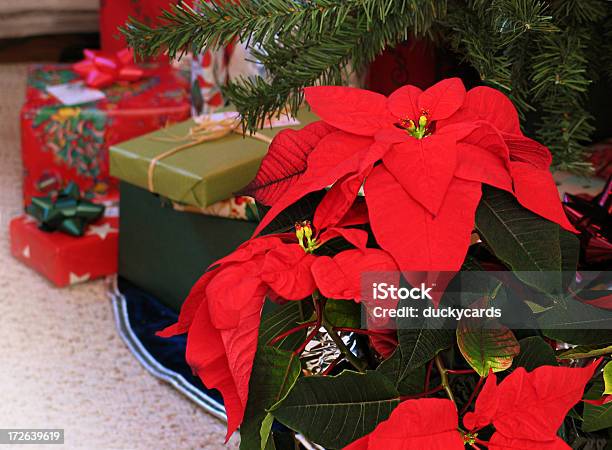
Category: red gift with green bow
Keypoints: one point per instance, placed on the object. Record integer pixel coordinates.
(66, 238)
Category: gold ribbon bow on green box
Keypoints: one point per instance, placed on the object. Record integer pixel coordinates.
(67, 212)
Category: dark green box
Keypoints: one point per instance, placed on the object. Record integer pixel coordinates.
(165, 251)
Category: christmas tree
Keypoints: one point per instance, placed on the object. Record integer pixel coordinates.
(543, 54)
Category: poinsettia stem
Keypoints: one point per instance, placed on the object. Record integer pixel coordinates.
(283, 335)
(485, 444)
(309, 338)
(422, 394)
(444, 378)
(333, 365)
(358, 363)
(316, 298)
(472, 396)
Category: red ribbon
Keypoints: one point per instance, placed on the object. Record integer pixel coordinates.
(101, 69)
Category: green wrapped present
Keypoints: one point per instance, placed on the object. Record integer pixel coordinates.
(164, 251)
(196, 165)
(169, 234)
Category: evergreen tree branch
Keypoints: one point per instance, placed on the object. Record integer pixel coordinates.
(543, 54)
(293, 61)
(560, 80)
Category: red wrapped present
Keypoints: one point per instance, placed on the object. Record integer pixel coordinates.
(65, 259)
(115, 13)
(67, 126)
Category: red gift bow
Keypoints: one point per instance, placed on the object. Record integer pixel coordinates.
(101, 69)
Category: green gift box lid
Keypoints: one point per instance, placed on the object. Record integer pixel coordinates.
(199, 175)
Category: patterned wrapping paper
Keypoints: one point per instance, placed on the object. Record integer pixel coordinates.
(238, 208)
(63, 143)
(65, 260)
(208, 71)
(212, 69)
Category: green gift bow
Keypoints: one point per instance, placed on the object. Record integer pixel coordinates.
(67, 212)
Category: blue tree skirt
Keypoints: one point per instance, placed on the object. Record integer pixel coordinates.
(138, 315)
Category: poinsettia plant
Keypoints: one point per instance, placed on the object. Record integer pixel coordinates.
(417, 182)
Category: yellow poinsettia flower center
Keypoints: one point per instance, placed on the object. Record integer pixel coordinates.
(304, 230)
(470, 438)
(417, 130)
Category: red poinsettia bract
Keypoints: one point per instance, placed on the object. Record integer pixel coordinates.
(222, 314)
(285, 161)
(425, 424)
(223, 310)
(527, 409)
(421, 157)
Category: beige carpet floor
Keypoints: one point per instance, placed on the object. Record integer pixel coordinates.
(62, 364)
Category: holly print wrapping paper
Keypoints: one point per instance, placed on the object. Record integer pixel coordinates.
(63, 143)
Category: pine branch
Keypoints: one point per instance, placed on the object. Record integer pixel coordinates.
(494, 38)
(215, 24)
(579, 12)
(294, 62)
(300, 43)
(560, 82)
(542, 54)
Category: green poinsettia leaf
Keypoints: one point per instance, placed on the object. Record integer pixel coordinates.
(577, 323)
(251, 212)
(535, 352)
(278, 319)
(406, 383)
(536, 308)
(420, 340)
(585, 351)
(299, 211)
(418, 346)
(265, 433)
(274, 368)
(274, 374)
(486, 344)
(526, 242)
(607, 376)
(343, 313)
(335, 411)
(596, 417)
(570, 252)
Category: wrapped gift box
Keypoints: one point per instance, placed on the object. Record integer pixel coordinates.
(164, 247)
(199, 175)
(62, 143)
(165, 251)
(65, 259)
(115, 14)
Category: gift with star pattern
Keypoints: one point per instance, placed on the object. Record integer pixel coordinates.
(67, 238)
